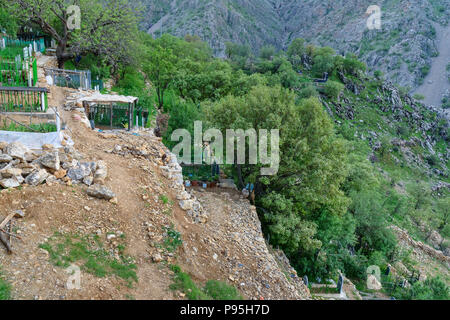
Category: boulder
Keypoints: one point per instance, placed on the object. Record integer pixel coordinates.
(51, 179)
(100, 192)
(70, 164)
(30, 156)
(88, 180)
(36, 177)
(183, 196)
(50, 160)
(5, 158)
(227, 184)
(27, 171)
(157, 258)
(101, 172)
(59, 174)
(11, 172)
(9, 183)
(186, 204)
(47, 147)
(17, 150)
(435, 239)
(447, 252)
(80, 172)
(70, 151)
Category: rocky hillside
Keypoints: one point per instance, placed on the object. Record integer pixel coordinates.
(403, 48)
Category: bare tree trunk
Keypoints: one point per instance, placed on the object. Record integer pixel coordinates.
(61, 53)
(239, 173)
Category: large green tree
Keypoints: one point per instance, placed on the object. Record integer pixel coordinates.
(159, 67)
(312, 162)
(8, 22)
(106, 27)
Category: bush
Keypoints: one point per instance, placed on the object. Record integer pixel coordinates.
(432, 160)
(378, 74)
(323, 61)
(445, 103)
(418, 96)
(352, 65)
(219, 290)
(308, 92)
(403, 130)
(333, 89)
(5, 289)
(430, 289)
(424, 71)
(213, 290)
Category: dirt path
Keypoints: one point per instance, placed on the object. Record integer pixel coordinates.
(127, 179)
(436, 83)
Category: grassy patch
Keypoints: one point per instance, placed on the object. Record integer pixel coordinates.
(172, 239)
(42, 127)
(5, 289)
(65, 249)
(213, 289)
(164, 199)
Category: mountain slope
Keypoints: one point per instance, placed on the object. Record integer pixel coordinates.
(436, 83)
(402, 48)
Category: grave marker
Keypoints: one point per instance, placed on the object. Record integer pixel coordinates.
(340, 283)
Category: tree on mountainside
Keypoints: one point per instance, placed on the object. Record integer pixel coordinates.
(106, 27)
(159, 67)
(296, 52)
(323, 60)
(312, 162)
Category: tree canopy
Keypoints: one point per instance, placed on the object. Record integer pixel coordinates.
(106, 27)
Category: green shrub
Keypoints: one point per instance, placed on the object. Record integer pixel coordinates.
(352, 65)
(445, 103)
(308, 92)
(430, 289)
(323, 61)
(378, 74)
(172, 240)
(424, 71)
(333, 89)
(213, 290)
(432, 160)
(403, 130)
(42, 127)
(219, 290)
(5, 289)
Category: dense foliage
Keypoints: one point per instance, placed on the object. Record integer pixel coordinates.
(328, 207)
